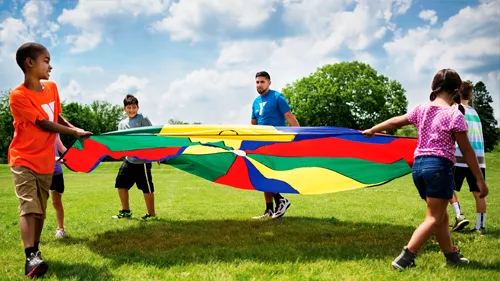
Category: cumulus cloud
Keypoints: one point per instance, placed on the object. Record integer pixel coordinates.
(91, 18)
(429, 15)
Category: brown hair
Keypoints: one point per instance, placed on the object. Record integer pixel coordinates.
(466, 90)
(446, 80)
(129, 100)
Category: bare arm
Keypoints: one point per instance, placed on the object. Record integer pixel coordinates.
(64, 122)
(60, 145)
(58, 128)
(290, 118)
(254, 122)
(390, 124)
(471, 159)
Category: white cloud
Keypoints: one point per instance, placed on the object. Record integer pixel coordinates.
(333, 26)
(429, 15)
(33, 24)
(465, 42)
(91, 18)
(13, 32)
(90, 69)
(72, 93)
(199, 19)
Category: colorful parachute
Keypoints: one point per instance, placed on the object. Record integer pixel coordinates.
(304, 160)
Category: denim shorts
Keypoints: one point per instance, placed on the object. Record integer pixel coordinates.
(433, 177)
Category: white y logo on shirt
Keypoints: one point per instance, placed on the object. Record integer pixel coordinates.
(262, 104)
(49, 109)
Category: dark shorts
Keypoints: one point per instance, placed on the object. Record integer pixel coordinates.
(139, 174)
(433, 177)
(57, 183)
(462, 173)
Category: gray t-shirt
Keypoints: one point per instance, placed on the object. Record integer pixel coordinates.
(129, 123)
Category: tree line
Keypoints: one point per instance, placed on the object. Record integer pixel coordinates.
(346, 94)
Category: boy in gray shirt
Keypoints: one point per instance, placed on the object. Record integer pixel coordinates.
(134, 171)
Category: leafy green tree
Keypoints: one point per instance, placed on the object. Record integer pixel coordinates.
(180, 122)
(481, 101)
(98, 117)
(347, 94)
(6, 126)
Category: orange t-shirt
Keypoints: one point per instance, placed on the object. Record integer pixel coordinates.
(33, 147)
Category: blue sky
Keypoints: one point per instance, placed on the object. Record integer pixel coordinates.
(194, 60)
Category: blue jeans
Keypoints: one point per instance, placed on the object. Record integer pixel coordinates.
(433, 177)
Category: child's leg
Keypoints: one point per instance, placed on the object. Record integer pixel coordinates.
(434, 220)
(58, 206)
(27, 228)
(480, 203)
(144, 182)
(480, 210)
(124, 181)
(57, 188)
(123, 193)
(149, 198)
(39, 221)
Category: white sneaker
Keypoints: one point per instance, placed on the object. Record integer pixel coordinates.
(266, 214)
(60, 233)
(282, 207)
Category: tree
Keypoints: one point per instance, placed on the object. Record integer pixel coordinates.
(6, 126)
(180, 122)
(98, 117)
(347, 94)
(481, 101)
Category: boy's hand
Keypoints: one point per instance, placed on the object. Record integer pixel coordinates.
(483, 188)
(60, 160)
(79, 133)
(368, 133)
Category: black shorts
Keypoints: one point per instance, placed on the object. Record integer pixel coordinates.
(462, 173)
(57, 183)
(139, 174)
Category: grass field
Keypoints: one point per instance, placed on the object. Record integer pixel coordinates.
(205, 232)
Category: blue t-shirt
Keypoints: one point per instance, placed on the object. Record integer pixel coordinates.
(270, 109)
(58, 168)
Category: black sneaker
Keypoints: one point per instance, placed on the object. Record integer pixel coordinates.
(455, 258)
(460, 223)
(281, 208)
(148, 217)
(405, 260)
(35, 266)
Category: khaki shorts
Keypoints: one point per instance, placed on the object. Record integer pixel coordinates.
(32, 189)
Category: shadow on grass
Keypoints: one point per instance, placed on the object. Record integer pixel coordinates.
(165, 243)
(77, 271)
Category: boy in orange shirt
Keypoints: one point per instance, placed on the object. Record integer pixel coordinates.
(36, 109)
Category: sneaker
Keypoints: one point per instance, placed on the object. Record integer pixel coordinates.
(455, 258)
(122, 214)
(405, 260)
(460, 223)
(266, 214)
(481, 231)
(60, 233)
(281, 208)
(35, 266)
(148, 217)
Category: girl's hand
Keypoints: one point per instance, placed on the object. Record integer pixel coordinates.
(368, 133)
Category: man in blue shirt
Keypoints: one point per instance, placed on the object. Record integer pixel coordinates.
(271, 108)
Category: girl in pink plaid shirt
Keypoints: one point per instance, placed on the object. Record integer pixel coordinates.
(439, 125)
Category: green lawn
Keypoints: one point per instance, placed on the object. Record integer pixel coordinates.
(205, 232)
